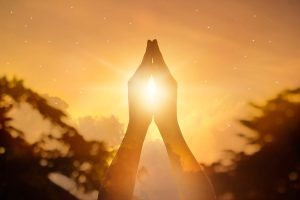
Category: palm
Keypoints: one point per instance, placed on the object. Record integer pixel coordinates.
(138, 112)
(166, 108)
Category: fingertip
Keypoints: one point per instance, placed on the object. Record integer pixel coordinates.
(155, 44)
(149, 45)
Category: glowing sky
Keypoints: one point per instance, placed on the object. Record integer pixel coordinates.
(222, 53)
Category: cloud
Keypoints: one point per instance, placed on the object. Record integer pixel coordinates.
(28, 120)
(32, 123)
(155, 180)
(107, 129)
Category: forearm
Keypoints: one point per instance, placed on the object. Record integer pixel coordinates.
(191, 179)
(119, 180)
(177, 147)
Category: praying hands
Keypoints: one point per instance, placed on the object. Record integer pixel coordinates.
(119, 180)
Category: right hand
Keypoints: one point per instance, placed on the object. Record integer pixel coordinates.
(165, 113)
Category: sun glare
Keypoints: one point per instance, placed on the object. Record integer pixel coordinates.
(151, 91)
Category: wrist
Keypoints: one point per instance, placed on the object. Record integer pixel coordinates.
(135, 135)
(137, 126)
(168, 125)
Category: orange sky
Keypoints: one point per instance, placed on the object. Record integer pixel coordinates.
(222, 53)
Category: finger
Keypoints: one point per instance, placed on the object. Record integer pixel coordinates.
(157, 56)
(147, 59)
(160, 69)
(144, 70)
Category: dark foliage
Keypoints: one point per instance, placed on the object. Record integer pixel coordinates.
(25, 167)
(273, 172)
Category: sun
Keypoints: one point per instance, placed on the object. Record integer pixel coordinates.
(151, 92)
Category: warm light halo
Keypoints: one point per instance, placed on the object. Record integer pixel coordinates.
(151, 91)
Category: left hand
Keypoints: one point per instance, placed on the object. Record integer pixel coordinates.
(139, 113)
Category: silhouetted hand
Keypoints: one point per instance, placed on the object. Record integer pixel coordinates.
(139, 113)
(119, 180)
(191, 179)
(165, 112)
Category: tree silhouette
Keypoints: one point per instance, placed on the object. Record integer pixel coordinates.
(273, 171)
(25, 167)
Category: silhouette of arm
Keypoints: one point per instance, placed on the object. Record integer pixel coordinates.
(119, 180)
(190, 177)
(120, 177)
(191, 180)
